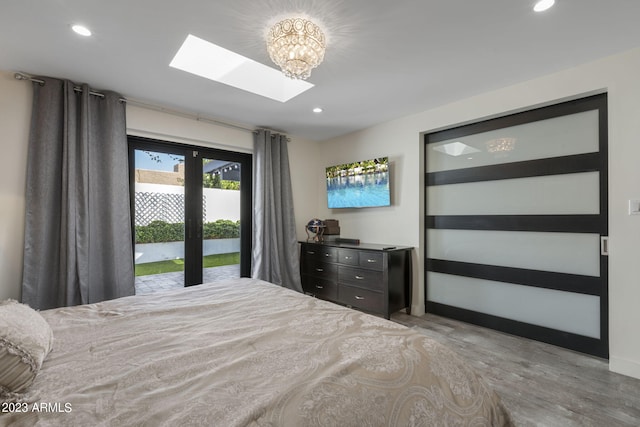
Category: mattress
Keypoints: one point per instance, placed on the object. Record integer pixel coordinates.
(244, 352)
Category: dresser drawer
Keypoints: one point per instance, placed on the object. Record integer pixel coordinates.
(320, 287)
(320, 269)
(319, 253)
(361, 277)
(374, 260)
(361, 298)
(348, 256)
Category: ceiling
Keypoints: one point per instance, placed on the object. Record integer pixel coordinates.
(385, 59)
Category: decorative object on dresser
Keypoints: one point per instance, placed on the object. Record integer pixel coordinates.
(370, 277)
(332, 226)
(331, 231)
(315, 228)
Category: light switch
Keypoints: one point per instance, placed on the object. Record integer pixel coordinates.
(634, 207)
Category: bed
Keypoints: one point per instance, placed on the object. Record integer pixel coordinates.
(244, 352)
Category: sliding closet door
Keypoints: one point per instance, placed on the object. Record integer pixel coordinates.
(191, 212)
(516, 224)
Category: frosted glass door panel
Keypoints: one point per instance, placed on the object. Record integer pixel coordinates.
(572, 253)
(564, 311)
(560, 136)
(576, 193)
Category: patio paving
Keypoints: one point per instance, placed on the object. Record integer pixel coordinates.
(166, 281)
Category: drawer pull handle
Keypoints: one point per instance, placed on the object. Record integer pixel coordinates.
(327, 254)
(372, 260)
(360, 277)
(358, 297)
(311, 252)
(348, 257)
(319, 287)
(320, 269)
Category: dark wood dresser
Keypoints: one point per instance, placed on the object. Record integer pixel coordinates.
(370, 277)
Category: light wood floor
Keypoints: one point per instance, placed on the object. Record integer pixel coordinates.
(540, 384)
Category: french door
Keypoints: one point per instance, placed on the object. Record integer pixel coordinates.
(516, 224)
(191, 213)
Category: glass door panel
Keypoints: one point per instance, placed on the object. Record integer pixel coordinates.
(566, 194)
(191, 215)
(571, 253)
(159, 220)
(536, 306)
(554, 137)
(221, 203)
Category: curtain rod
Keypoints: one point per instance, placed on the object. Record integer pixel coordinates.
(24, 76)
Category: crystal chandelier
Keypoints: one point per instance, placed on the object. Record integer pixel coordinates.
(297, 46)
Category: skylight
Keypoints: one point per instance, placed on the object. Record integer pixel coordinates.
(205, 59)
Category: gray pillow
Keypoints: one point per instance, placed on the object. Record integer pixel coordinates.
(25, 340)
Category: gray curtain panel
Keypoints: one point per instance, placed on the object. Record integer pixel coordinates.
(275, 247)
(78, 246)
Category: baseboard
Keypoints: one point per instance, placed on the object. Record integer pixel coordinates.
(625, 367)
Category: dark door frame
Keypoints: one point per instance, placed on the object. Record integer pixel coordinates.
(193, 156)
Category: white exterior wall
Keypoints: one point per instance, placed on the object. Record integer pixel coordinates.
(220, 204)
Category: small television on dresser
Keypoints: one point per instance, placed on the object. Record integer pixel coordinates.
(361, 184)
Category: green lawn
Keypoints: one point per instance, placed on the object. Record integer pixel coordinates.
(178, 264)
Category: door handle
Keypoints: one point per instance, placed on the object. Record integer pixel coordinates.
(604, 245)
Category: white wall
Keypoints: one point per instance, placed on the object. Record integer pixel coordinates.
(400, 139)
(15, 114)
(399, 224)
(303, 158)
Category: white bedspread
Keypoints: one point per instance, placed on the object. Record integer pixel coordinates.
(247, 353)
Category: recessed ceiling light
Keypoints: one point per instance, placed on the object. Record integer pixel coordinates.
(543, 5)
(82, 30)
(317, 110)
(208, 60)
